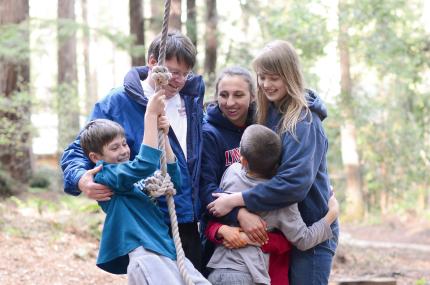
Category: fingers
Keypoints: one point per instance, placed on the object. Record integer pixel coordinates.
(157, 104)
(163, 123)
(258, 236)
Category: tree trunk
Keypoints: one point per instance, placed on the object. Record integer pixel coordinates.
(156, 19)
(137, 30)
(192, 21)
(175, 22)
(350, 157)
(211, 38)
(15, 146)
(67, 77)
(90, 95)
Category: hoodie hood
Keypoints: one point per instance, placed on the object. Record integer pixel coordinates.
(133, 85)
(217, 118)
(315, 104)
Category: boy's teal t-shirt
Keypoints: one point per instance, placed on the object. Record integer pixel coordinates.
(132, 218)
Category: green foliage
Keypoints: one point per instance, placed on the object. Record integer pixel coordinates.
(421, 281)
(14, 121)
(12, 47)
(39, 180)
(6, 184)
(303, 23)
(392, 114)
(15, 132)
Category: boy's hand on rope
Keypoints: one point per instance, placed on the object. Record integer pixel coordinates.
(163, 123)
(156, 104)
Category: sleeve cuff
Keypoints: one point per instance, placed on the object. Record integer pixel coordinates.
(149, 154)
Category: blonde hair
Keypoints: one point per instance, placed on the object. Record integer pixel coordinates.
(280, 58)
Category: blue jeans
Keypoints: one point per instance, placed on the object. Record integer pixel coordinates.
(312, 267)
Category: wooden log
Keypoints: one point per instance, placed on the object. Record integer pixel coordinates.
(365, 281)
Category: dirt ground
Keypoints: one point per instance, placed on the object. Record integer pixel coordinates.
(54, 243)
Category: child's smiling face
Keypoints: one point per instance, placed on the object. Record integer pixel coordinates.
(116, 151)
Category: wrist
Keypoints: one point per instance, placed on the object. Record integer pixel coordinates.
(150, 115)
(330, 217)
(219, 233)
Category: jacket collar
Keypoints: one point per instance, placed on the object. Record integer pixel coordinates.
(133, 86)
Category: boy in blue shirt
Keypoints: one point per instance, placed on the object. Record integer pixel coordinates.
(135, 239)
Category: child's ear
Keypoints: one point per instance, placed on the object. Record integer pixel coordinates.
(94, 157)
(243, 161)
(152, 61)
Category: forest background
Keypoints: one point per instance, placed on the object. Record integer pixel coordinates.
(369, 61)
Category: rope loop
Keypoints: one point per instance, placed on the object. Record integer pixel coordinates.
(159, 185)
(161, 75)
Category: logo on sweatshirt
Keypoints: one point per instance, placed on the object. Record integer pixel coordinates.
(232, 156)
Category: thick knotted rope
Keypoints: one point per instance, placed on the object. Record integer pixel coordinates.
(159, 185)
(161, 75)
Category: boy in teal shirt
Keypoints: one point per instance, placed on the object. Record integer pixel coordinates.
(135, 239)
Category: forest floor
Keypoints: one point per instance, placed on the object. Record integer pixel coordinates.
(51, 238)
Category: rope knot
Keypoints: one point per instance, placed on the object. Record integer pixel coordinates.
(161, 75)
(157, 185)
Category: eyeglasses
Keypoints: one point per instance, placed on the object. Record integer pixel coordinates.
(181, 76)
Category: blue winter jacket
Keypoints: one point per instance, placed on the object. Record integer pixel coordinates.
(132, 218)
(127, 105)
(302, 176)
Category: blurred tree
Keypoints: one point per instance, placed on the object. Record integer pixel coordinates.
(192, 21)
(350, 157)
(211, 41)
(90, 84)
(175, 22)
(137, 31)
(393, 112)
(156, 20)
(67, 77)
(302, 23)
(15, 111)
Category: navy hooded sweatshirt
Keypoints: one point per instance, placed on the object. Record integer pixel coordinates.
(302, 176)
(127, 105)
(221, 139)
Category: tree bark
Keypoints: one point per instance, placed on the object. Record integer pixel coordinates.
(90, 95)
(211, 41)
(192, 21)
(175, 22)
(350, 156)
(156, 19)
(67, 77)
(15, 152)
(137, 30)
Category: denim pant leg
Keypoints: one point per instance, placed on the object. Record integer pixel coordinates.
(312, 267)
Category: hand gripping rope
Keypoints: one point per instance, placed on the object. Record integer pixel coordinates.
(160, 183)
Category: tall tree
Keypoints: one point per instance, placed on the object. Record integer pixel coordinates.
(137, 30)
(211, 42)
(156, 19)
(192, 21)
(175, 22)
(90, 94)
(67, 77)
(15, 139)
(350, 157)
